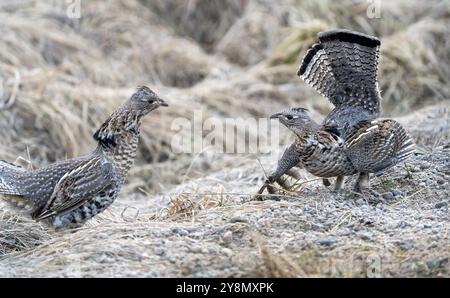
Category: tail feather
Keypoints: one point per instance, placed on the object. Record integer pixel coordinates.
(377, 145)
(406, 150)
(343, 68)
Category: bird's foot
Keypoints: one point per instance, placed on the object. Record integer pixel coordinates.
(326, 182)
(267, 185)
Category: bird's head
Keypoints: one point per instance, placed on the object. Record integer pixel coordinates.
(144, 100)
(296, 119)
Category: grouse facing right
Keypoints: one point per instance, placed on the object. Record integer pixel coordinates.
(70, 192)
(343, 68)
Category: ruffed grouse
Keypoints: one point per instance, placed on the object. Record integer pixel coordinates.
(351, 139)
(68, 193)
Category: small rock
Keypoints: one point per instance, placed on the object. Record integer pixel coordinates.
(180, 231)
(360, 202)
(388, 196)
(435, 263)
(405, 245)
(440, 205)
(397, 193)
(227, 237)
(196, 249)
(380, 206)
(425, 226)
(237, 218)
(159, 251)
(307, 208)
(424, 166)
(228, 252)
(317, 226)
(104, 258)
(326, 242)
(403, 224)
(213, 250)
(365, 236)
(440, 181)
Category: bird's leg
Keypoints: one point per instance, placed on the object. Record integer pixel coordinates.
(294, 173)
(362, 183)
(284, 182)
(289, 159)
(338, 183)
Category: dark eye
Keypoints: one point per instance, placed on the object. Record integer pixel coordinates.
(289, 117)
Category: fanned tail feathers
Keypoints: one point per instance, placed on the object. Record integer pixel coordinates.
(343, 68)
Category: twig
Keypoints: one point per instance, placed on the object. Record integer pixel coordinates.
(408, 197)
(341, 221)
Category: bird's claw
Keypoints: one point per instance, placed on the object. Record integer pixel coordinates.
(266, 184)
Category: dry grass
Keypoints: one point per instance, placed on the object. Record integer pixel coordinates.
(18, 233)
(62, 77)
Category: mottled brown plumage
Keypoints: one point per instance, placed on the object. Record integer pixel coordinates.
(343, 68)
(317, 148)
(70, 192)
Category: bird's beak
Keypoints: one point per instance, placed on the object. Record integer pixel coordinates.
(276, 116)
(162, 103)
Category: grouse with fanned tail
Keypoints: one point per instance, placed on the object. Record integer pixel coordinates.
(343, 68)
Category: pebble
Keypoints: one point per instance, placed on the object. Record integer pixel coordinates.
(317, 226)
(196, 249)
(360, 202)
(405, 245)
(388, 196)
(103, 258)
(326, 242)
(159, 251)
(307, 208)
(440, 205)
(403, 224)
(228, 252)
(433, 264)
(365, 236)
(440, 181)
(180, 231)
(424, 166)
(397, 193)
(425, 226)
(227, 237)
(237, 218)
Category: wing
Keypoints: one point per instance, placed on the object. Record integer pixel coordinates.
(343, 68)
(78, 186)
(379, 144)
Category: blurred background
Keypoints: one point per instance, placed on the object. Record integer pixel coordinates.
(66, 65)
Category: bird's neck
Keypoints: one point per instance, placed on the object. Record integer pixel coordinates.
(118, 139)
(117, 127)
(307, 129)
(305, 134)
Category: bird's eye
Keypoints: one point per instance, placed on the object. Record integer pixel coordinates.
(289, 117)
